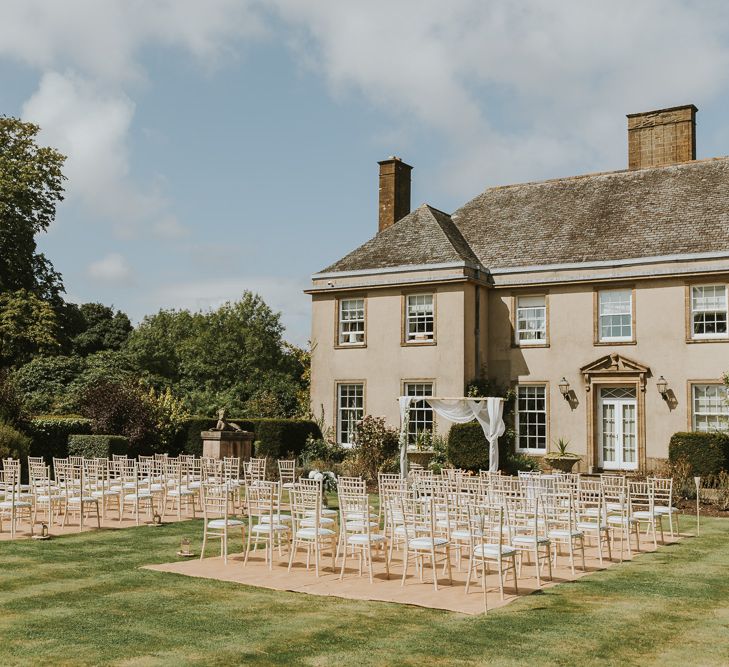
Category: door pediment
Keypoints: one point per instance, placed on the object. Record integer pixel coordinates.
(614, 366)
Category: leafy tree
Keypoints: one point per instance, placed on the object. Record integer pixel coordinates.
(12, 404)
(122, 408)
(28, 326)
(233, 357)
(101, 329)
(31, 186)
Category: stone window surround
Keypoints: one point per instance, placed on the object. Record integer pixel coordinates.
(690, 384)
(337, 384)
(337, 313)
(704, 281)
(514, 324)
(548, 419)
(596, 315)
(404, 342)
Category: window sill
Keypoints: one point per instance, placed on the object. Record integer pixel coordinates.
(532, 452)
(349, 346)
(417, 343)
(529, 346)
(603, 343)
(725, 339)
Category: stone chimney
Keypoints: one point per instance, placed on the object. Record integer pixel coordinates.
(394, 191)
(662, 137)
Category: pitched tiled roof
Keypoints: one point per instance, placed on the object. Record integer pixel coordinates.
(671, 210)
(425, 236)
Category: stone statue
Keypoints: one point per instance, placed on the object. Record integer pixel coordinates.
(224, 425)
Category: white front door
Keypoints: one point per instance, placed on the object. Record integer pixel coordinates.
(618, 428)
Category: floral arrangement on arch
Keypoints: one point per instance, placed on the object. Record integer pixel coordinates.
(327, 478)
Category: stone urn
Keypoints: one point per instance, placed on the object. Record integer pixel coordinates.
(421, 457)
(562, 462)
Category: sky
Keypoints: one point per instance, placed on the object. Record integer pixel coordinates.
(219, 146)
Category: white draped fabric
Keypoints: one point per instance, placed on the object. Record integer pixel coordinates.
(487, 411)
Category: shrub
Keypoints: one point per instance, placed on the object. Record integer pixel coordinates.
(706, 453)
(320, 449)
(468, 449)
(12, 406)
(281, 437)
(275, 438)
(97, 446)
(49, 434)
(374, 444)
(514, 462)
(122, 408)
(13, 443)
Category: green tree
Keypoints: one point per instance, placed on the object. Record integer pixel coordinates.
(233, 357)
(31, 186)
(28, 326)
(101, 329)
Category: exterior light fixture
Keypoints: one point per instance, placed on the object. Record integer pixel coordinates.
(662, 388)
(564, 388)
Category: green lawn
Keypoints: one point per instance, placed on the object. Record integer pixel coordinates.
(81, 600)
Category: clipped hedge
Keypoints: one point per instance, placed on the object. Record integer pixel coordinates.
(49, 434)
(97, 446)
(707, 453)
(469, 449)
(275, 437)
(281, 437)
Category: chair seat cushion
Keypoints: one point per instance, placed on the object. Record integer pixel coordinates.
(142, 495)
(180, 492)
(529, 539)
(492, 550)
(269, 527)
(427, 542)
(359, 525)
(220, 523)
(325, 511)
(323, 521)
(464, 534)
(8, 504)
(277, 518)
(363, 538)
(663, 509)
(105, 492)
(591, 525)
(644, 514)
(311, 533)
(289, 485)
(82, 499)
(562, 533)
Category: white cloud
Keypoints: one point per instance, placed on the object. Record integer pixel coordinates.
(519, 89)
(112, 269)
(88, 54)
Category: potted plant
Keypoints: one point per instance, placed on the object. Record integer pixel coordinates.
(561, 459)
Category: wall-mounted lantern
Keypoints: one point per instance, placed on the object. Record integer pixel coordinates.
(564, 388)
(662, 385)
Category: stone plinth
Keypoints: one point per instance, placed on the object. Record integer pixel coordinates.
(219, 444)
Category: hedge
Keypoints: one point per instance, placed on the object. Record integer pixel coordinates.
(707, 453)
(97, 446)
(49, 434)
(469, 449)
(274, 437)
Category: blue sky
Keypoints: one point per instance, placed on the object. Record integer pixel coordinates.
(226, 145)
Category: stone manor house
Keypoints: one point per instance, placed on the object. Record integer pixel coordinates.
(602, 299)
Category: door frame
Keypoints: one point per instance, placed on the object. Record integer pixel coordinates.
(622, 402)
(613, 369)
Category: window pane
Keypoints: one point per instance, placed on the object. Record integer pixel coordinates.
(420, 317)
(710, 407)
(350, 404)
(421, 414)
(709, 310)
(351, 321)
(615, 314)
(531, 319)
(531, 417)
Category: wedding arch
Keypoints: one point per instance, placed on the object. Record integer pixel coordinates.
(488, 412)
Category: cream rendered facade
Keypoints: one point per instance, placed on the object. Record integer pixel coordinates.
(525, 280)
(662, 345)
